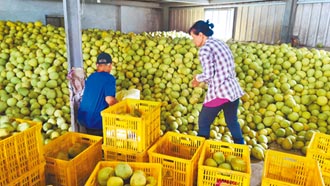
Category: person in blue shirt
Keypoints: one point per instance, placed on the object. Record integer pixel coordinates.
(99, 93)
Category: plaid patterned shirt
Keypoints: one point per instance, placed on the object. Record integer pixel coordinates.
(218, 71)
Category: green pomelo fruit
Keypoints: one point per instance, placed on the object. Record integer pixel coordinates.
(76, 149)
(229, 158)
(225, 166)
(219, 157)
(22, 127)
(104, 174)
(287, 144)
(115, 181)
(151, 181)
(4, 133)
(123, 170)
(138, 179)
(210, 162)
(258, 153)
(239, 164)
(62, 156)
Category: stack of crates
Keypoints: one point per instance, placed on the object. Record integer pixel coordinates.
(284, 169)
(127, 137)
(179, 155)
(150, 169)
(75, 171)
(210, 176)
(21, 157)
(319, 149)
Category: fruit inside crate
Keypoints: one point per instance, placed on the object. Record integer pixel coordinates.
(178, 153)
(220, 154)
(74, 171)
(151, 170)
(21, 152)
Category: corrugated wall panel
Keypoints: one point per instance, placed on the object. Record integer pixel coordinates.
(312, 24)
(182, 18)
(260, 23)
(223, 20)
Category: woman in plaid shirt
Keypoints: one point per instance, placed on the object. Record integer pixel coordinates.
(223, 91)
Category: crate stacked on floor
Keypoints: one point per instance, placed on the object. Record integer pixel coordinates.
(130, 127)
(217, 175)
(319, 149)
(71, 158)
(285, 169)
(21, 157)
(179, 155)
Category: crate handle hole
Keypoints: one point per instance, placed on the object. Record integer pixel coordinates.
(290, 159)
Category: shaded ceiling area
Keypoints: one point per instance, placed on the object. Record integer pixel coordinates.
(168, 3)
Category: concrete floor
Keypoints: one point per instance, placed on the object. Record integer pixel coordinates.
(256, 172)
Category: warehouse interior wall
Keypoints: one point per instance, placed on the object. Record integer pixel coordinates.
(312, 24)
(140, 19)
(262, 22)
(28, 11)
(102, 16)
(181, 19)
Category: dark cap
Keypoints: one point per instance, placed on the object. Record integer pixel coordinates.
(103, 58)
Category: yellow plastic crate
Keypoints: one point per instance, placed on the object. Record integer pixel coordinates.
(209, 176)
(76, 171)
(132, 134)
(324, 162)
(20, 153)
(114, 155)
(320, 141)
(34, 177)
(179, 154)
(282, 168)
(151, 169)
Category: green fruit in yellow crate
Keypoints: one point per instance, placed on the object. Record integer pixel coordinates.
(210, 162)
(104, 174)
(219, 157)
(22, 126)
(62, 156)
(239, 164)
(225, 166)
(151, 181)
(115, 181)
(76, 149)
(123, 170)
(138, 179)
(229, 158)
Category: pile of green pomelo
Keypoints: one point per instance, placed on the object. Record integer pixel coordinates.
(287, 88)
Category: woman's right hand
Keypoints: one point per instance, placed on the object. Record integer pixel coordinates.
(194, 82)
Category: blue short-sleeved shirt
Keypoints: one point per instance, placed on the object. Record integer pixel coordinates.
(98, 85)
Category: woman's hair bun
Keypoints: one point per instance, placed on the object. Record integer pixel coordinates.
(211, 25)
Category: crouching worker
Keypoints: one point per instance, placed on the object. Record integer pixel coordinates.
(99, 93)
